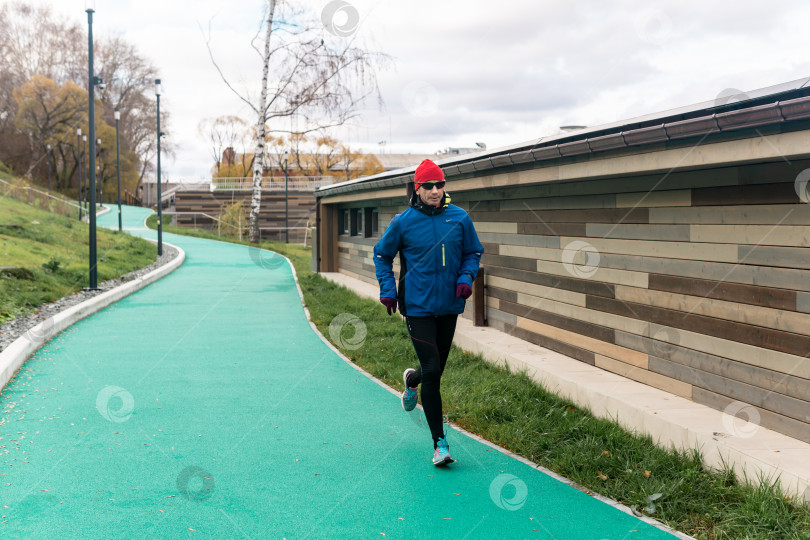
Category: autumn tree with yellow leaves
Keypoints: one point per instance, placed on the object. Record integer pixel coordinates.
(50, 114)
(44, 99)
(306, 155)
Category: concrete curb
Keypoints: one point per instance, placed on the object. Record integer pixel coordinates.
(103, 210)
(15, 355)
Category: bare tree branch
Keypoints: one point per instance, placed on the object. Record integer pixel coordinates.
(219, 70)
(317, 78)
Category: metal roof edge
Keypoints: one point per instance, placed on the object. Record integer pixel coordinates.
(546, 148)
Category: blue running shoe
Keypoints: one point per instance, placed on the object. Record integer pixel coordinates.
(410, 396)
(441, 456)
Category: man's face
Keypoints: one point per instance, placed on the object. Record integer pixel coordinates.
(431, 193)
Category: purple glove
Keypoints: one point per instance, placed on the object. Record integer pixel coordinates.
(463, 290)
(389, 303)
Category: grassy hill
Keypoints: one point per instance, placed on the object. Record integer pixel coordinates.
(45, 256)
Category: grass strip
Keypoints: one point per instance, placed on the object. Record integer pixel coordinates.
(45, 257)
(514, 412)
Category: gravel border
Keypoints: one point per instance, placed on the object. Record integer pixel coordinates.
(10, 331)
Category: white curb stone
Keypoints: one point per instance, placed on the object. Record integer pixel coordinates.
(15, 355)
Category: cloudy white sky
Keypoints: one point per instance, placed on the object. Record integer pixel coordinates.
(467, 71)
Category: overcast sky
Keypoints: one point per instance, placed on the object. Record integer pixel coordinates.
(472, 71)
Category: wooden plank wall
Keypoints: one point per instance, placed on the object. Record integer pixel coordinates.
(356, 258)
(301, 210)
(697, 283)
(356, 253)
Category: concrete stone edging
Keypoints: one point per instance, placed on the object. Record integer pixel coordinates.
(15, 355)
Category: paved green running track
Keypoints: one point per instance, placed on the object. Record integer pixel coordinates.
(205, 406)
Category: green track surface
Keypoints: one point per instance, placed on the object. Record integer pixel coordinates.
(206, 406)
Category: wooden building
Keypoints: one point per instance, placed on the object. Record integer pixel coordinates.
(673, 249)
(202, 209)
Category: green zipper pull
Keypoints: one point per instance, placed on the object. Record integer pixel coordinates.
(443, 263)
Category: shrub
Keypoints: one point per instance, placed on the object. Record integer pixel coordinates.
(52, 265)
(233, 220)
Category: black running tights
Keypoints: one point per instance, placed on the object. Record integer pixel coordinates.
(432, 338)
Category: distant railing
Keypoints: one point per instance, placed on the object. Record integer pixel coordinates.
(130, 199)
(294, 183)
(11, 187)
(36, 197)
(187, 186)
(234, 230)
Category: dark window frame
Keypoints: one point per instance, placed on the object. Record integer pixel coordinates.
(372, 218)
(356, 222)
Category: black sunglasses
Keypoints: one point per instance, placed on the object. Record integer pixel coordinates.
(429, 185)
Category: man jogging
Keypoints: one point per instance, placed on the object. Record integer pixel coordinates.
(439, 255)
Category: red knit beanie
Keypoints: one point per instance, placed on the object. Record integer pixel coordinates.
(427, 171)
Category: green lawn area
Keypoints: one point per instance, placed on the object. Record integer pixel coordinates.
(49, 257)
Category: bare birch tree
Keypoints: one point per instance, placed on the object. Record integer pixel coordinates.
(319, 76)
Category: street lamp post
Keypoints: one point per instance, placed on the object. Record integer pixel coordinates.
(85, 175)
(100, 172)
(48, 160)
(286, 205)
(118, 164)
(91, 84)
(79, 166)
(159, 202)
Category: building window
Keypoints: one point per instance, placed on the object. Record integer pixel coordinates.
(343, 226)
(371, 222)
(357, 222)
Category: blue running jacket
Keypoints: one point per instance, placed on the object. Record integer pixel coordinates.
(438, 249)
